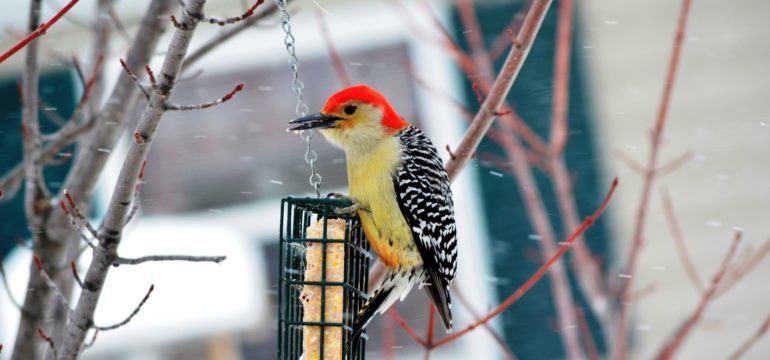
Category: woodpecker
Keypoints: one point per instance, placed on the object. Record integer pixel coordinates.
(401, 193)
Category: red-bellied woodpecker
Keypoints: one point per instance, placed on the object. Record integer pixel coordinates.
(401, 193)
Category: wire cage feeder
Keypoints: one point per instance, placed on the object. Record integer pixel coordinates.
(324, 274)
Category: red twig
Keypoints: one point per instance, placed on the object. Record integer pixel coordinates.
(429, 330)
(516, 295)
(476, 316)
(675, 164)
(339, 65)
(649, 178)
(638, 168)
(585, 334)
(388, 339)
(681, 247)
(47, 339)
(763, 329)
(75, 274)
(151, 76)
(406, 327)
(39, 32)
(642, 293)
(504, 39)
(680, 336)
(739, 272)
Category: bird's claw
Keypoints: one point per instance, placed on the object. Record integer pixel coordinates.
(347, 210)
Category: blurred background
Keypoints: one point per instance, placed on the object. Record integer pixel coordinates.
(214, 178)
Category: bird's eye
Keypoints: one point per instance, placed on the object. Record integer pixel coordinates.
(350, 109)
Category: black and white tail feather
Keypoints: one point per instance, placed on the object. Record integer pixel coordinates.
(425, 198)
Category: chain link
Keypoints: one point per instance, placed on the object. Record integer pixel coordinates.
(311, 157)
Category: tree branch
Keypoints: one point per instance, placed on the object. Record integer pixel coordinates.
(81, 181)
(111, 233)
(668, 351)
(499, 90)
(130, 316)
(39, 31)
(135, 261)
(516, 295)
(620, 351)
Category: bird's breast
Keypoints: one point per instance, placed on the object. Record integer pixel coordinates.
(371, 183)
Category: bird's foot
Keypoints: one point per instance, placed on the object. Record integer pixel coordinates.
(347, 210)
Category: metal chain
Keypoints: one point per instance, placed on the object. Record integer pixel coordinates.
(311, 156)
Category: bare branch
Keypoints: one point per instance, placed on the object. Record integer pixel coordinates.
(111, 232)
(232, 20)
(634, 165)
(206, 105)
(83, 220)
(681, 247)
(334, 55)
(39, 32)
(739, 272)
(131, 316)
(85, 171)
(674, 164)
(763, 329)
(499, 90)
(673, 344)
(135, 261)
(516, 295)
(404, 325)
(51, 284)
(136, 79)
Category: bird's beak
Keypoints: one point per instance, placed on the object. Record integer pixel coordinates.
(314, 121)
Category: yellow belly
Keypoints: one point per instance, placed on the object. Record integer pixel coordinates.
(385, 227)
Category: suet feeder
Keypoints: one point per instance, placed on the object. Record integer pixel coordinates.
(324, 272)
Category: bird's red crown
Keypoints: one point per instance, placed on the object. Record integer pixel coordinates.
(366, 94)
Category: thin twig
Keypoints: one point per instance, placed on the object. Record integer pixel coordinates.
(47, 339)
(739, 272)
(476, 316)
(675, 342)
(585, 332)
(135, 79)
(135, 261)
(403, 324)
(429, 331)
(131, 316)
(334, 55)
(52, 284)
(763, 329)
(39, 32)
(516, 295)
(634, 165)
(675, 164)
(206, 105)
(75, 275)
(681, 247)
(235, 19)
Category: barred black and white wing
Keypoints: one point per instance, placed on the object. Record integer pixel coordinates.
(425, 198)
